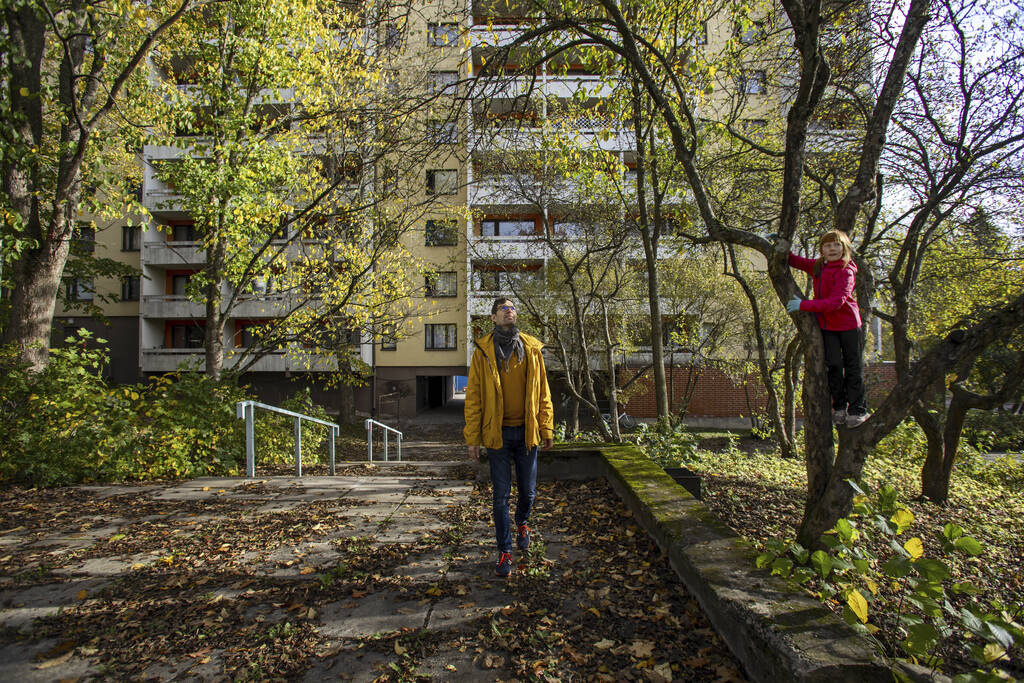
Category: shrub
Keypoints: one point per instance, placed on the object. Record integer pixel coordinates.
(994, 430)
(275, 434)
(905, 598)
(66, 425)
(669, 446)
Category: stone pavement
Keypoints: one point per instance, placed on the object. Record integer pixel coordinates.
(385, 575)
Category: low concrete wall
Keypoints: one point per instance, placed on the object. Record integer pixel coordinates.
(777, 632)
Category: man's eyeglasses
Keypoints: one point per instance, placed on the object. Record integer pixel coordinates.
(506, 307)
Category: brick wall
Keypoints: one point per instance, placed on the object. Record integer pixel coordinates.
(718, 395)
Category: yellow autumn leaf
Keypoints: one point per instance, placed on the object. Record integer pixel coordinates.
(872, 586)
(594, 611)
(399, 650)
(903, 518)
(914, 547)
(81, 594)
(434, 591)
(858, 604)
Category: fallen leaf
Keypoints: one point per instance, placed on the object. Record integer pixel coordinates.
(399, 650)
(81, 595)
(595, 612)
(604, 644)
(641, 649)
(56, 661)
(307, 570)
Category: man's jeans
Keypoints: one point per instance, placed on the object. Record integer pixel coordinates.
(513, 453)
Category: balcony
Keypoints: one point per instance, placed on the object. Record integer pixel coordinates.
(168, 360)
(173, 254)
(172, 306)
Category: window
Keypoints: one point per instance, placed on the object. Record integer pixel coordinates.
(179, 283)
(130, 288)
(388, 338)
(442, 132)
(345, 169)
(440, 337)
(487, 280)
(504, 275)
(443, 82)
(131, 238)
(442, 181)
(281, 233)
(388, 181)
(84, 239)
(441, 284)
(749, 35)
(186, 336)
(184, 232)
(247, 333)
(441, 35)
(566, 228)
(754, 83)
(392, 37)
(78, 289)
(509, 227)
(442, 233)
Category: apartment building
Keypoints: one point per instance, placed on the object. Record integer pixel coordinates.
(474, 234)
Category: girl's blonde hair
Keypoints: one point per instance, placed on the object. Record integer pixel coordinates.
(835, 236)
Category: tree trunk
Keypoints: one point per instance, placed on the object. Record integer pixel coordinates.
(215, 317)
(821, 502)
(346, 403)
(38, 274)
(573, 418)
(791, 374)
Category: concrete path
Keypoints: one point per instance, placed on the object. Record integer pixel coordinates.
(385, 575)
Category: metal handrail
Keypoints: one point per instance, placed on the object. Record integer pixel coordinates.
(247, 410)
(369, 438)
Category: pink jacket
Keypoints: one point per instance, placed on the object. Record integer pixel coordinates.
(834, 302)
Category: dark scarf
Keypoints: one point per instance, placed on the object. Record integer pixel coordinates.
(507, 342)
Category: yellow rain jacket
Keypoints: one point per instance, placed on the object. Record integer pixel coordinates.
(484, 408)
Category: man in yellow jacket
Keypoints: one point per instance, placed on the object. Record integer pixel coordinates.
(508, 411)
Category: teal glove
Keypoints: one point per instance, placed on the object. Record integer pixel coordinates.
(793, 305)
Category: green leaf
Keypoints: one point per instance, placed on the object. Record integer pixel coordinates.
(1000, 634)
(782, 566)
(846, 531)
(952, 531)
(896, 567)
(932, 569)
(763, 560)
(969, 545)
(822, 563)
(971, 622)
(966, 588)
(799, 552)
(920, 639)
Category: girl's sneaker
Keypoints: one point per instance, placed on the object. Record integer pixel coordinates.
(838, 416)
(857, 420)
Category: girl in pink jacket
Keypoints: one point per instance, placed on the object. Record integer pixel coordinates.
(835, 305)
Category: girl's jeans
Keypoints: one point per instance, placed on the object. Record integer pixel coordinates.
(513, 453)
(842, 360)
